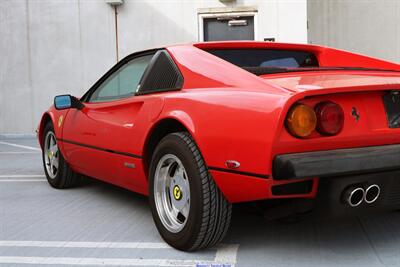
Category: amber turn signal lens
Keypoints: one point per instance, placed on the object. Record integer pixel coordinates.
(301, 121)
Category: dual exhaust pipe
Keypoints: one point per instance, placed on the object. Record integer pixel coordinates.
(356, 195)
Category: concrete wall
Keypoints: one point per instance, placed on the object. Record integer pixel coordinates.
(49, 48)
(154, 23)
(52, 47)
(370, 27)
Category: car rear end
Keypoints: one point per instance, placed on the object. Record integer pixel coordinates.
(339, 143)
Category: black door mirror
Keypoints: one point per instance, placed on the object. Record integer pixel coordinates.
(66, 102)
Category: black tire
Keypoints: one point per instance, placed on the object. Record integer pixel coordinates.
(65, 177)
(210, 213)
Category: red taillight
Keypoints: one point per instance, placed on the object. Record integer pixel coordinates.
(330, 118)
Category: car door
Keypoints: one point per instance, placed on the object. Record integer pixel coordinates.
(92, 136)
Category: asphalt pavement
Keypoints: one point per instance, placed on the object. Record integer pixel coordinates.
(97, 224)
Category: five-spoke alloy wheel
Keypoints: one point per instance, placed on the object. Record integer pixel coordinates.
(51, 155)
(188, 209)
(172, 193)
(58, 173)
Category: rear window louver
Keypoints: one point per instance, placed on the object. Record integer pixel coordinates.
(161, 75)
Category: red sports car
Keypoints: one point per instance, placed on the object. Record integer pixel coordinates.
(201, 126)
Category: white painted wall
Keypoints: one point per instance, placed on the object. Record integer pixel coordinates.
(370, 27)
(51, 47)
(154, 23)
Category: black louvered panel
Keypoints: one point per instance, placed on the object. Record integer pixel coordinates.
(162, 75)
(392, 197)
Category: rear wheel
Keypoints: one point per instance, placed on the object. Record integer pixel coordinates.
(188, 209)
(58, 173)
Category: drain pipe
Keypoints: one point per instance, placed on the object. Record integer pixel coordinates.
(116, 32)
(115, 4)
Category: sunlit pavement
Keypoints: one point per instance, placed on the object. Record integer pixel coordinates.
(99, 224)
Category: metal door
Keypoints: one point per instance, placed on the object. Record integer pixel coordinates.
(229, 28)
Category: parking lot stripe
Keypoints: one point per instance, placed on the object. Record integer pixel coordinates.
(72, 244)
(99, 261)
(18, 152)
(21, 180)
(225, 254)
(22, 176)
(20, 146)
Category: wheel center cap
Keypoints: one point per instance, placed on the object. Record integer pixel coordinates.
(177, 192)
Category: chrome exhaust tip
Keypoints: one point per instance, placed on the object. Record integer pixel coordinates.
(354, 196)
(372, 193)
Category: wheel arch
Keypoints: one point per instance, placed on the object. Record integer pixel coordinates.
(159, 130)
(46, 117)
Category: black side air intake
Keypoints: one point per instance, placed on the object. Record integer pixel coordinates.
(161, 75)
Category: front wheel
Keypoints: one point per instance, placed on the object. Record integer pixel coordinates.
(58, 173)
(188, 209)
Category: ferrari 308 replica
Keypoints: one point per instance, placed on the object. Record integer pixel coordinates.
(201, 126)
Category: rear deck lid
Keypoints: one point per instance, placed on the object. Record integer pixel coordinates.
(340, 80)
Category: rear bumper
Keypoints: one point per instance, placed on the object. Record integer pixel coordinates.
(329, 200)
(341, 169)
(335, 163)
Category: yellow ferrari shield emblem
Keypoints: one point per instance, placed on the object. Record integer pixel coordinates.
(60, 120)
(177, 193)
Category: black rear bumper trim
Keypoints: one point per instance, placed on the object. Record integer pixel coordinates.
(239, 172)
(340, 162)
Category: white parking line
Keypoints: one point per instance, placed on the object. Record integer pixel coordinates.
(72, 244)
(22, 176)
(98, 261)
(21, 180)
(20, 146)
(226, 254)
(18, 152)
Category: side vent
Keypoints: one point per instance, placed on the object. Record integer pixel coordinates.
(161, 75)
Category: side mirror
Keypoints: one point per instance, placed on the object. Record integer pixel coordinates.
(66, 102)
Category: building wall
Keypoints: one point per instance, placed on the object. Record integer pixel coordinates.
(49, 48)
(52, 47)
(370, 27)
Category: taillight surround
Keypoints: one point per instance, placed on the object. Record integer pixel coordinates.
(306, 120)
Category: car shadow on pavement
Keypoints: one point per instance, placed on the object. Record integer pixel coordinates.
(113, 193)
(346, 241)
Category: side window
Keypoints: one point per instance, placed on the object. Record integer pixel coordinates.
(123, 82)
